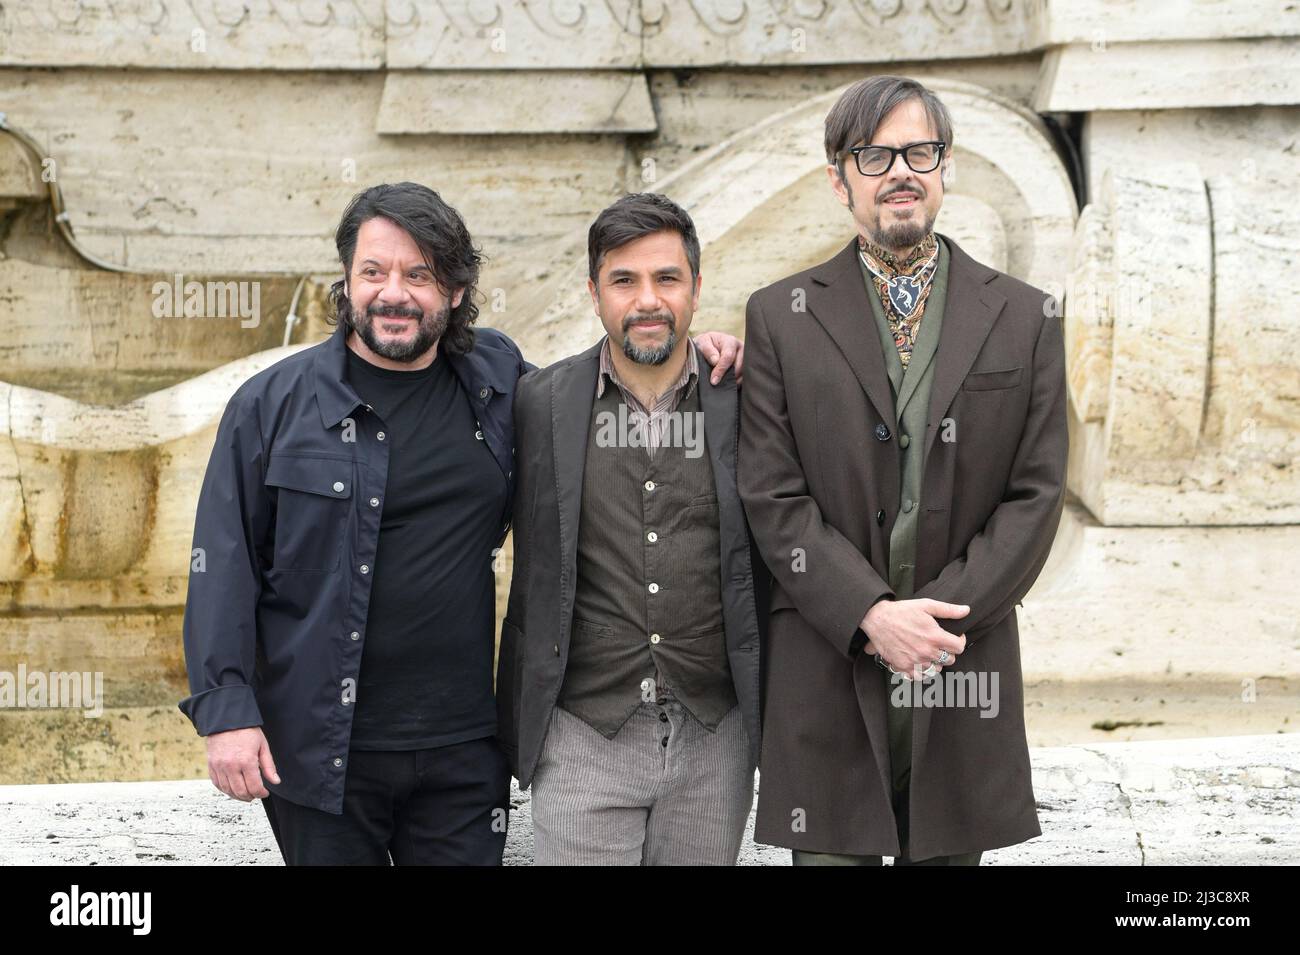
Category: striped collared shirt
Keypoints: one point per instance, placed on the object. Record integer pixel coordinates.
(652, 423)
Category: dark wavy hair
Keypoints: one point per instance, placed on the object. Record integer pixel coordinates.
(442, 237)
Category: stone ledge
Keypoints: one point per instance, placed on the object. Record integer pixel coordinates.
(503, 103)
(1169, 75)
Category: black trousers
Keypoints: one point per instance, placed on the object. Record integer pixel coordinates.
(442, 806)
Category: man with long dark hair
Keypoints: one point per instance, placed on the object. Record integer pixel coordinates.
(338, 627)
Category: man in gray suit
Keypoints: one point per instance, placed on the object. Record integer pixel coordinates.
(628, 679)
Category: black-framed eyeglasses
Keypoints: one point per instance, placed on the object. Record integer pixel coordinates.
(878, 160)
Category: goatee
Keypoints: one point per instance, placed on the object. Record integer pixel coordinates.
(655, 355)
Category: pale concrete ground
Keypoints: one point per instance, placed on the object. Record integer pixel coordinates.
(1226, 800)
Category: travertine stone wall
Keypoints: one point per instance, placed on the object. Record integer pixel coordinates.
(216, 140)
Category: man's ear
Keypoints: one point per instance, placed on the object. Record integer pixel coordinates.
(456, 297)
(595, 298)
(838, 185)
(948, 172)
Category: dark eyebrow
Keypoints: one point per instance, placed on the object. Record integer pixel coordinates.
(666, 270)
(415, 268)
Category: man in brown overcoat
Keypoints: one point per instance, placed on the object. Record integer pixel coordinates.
(902, 463)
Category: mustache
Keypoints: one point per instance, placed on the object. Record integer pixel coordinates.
(912, 190)
(657, 317)
(393, 311)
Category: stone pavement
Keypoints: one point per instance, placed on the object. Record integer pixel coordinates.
(1229, 800)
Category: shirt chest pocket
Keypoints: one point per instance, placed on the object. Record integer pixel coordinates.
(313, 501)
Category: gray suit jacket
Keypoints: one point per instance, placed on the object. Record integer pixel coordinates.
(552, 414)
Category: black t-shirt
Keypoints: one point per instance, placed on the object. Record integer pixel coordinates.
(426, 670)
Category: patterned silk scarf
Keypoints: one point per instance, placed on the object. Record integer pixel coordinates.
(903, 287)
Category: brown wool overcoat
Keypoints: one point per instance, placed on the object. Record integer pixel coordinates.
(821, 489)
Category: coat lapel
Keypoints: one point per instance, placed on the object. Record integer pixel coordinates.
(969, 313)
(573, 393)
(838, 300)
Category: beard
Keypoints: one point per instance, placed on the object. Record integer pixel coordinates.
(431, 327)
(656, 355)
(901, 236)
(906, 233)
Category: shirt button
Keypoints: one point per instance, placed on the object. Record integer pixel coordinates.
(654, 588)
(355, 635)
(338, 486)
(374, 502)
(664, 742)
(338, 761)
(663, 717)
(649, 485)
(380, 436)
(652, 537)
(904, 440)
(645, 685)
(654, 638)
(907, 507)
(365, 568)
(557, 649)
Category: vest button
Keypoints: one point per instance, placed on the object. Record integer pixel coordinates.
(654, 638)
(882, 432)
(880, 518)
(649, 485)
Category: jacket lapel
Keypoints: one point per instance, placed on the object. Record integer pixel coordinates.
(838, 300)
(573, 393)
(969, 313)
